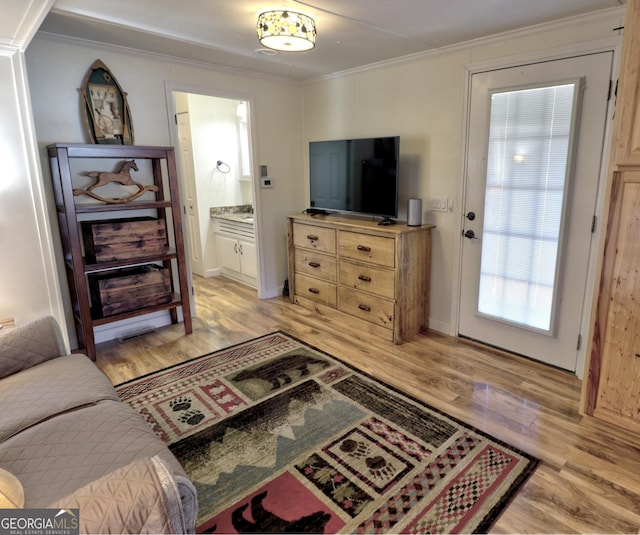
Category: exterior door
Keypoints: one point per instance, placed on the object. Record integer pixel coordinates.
(533, 163)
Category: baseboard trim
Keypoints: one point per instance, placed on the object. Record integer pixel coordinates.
(440, 326)
(116, 330)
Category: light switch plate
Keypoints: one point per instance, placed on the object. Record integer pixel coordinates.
(438, 204)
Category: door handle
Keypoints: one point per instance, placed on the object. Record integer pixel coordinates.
(469, 234)
(471, 216)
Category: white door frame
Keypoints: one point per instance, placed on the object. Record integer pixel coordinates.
(170, 88)
(612, 44)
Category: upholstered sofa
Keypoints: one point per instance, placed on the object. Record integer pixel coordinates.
(72, 443)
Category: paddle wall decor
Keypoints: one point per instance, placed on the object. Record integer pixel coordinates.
(107, 116)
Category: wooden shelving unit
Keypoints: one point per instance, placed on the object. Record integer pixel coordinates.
(69, 164)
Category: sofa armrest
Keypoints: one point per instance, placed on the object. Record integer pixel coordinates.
(142, 497)
(30, 344)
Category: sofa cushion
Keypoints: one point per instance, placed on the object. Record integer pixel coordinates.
(50, 388)
(60, 455)
(30, 344)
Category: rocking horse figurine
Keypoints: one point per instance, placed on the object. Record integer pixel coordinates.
(121, 177)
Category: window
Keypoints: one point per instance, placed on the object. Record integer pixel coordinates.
(530, 136)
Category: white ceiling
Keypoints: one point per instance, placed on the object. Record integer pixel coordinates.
(351, 33)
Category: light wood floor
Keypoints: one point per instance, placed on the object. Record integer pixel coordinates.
(589, 478)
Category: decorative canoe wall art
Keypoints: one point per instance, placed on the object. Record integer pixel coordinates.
(106, 112)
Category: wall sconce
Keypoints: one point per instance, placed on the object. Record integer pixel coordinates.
(287, 31)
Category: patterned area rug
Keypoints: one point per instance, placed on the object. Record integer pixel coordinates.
(279, 437)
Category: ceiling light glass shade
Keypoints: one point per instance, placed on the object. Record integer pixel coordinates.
(286, 30)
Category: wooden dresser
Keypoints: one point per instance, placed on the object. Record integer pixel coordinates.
(374, 277)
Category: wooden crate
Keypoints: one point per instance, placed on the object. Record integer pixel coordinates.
(123, 290)
(124, 239)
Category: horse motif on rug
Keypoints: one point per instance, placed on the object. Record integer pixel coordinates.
(122, 177)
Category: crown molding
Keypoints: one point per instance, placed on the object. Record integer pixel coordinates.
(8, 50)
(79, 41)
(602, 14)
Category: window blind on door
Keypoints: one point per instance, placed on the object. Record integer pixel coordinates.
(530, 134)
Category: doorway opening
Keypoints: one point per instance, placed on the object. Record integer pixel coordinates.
(215, 160)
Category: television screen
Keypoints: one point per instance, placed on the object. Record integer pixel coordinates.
(355, 175)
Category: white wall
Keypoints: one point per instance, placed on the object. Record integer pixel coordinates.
(28, 285)
(25, 286)
(422, 100)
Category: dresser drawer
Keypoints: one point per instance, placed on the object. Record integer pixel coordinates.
(317, 264)
(317, 238)
(367, 307)
(315, 289)
(376, 249)
(373, 279)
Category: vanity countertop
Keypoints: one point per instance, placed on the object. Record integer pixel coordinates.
(243, 214)
(242, 218)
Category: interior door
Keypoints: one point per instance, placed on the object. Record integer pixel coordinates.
(533, 163)
(191, 216)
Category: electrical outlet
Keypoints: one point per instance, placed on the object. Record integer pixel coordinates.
(266, 182)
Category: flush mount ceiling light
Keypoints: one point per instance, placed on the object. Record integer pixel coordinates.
(286, 30)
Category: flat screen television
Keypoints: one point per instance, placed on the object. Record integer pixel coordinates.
(357, 176)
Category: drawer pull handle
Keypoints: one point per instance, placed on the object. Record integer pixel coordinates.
(314, 290)
(364, 307)
(364, 248)
(364, 278)
(314, 264)
(311, 237)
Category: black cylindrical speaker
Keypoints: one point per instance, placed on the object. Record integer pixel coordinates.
(414, 212)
